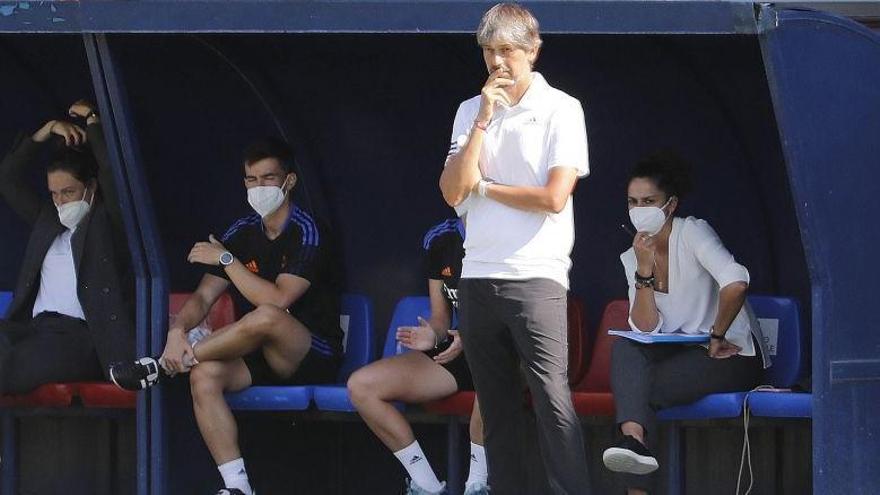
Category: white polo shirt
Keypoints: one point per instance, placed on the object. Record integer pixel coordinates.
(522, 143)
(57, 291)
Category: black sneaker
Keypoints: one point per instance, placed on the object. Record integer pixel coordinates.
(230, 491)
(137, 375)
(630, 456)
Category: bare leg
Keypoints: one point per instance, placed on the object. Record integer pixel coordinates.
(476, 426)
(413, 378)
(284, 340)
(208, 381)
(634, 430)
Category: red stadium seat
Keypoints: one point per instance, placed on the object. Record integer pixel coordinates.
(461, 403)
(592, 395)
(48, 395)
(102, 394)
(222, 313)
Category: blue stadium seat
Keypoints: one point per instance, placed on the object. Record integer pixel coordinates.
(781, 404)
(788, 363)
(786, 368)
(274, 398)
(335, 398)
(787, 356)
(5, 301)
(356, 318)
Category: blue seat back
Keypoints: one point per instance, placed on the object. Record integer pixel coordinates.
(406, 314)
(5, 301)
(781, 316)
(356, 320)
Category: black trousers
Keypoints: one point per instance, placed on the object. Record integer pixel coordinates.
(505, 325)
(50, 348)
(649, 377)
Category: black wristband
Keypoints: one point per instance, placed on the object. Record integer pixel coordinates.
(713, 335)
(643, 282)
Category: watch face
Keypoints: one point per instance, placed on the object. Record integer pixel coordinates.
(226, 258)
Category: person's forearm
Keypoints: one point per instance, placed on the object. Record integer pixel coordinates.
(440, 325)
(644, 313)
(254, 288)
(730, 301)
(105, 173)
(462, 171)
(543, 199)
(191, 314)
(13, 186)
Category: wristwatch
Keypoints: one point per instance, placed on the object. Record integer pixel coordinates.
(226, 258)
(713, 335)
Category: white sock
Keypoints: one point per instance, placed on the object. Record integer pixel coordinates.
(235, 476)
(479, 470)
(418, 467)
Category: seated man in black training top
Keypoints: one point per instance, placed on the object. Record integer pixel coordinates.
(71, 316)
(284, 283)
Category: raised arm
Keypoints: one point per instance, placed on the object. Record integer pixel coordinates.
(13, 187)
(106, 180)
(643, 315)
(461, 173)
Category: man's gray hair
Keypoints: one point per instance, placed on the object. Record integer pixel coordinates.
(511, 23)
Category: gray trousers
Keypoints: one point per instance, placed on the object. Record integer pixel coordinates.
(506, 325)
(649, 377)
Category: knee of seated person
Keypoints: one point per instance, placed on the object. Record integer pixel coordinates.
(265, 316)
(361, 384)
(206, 378)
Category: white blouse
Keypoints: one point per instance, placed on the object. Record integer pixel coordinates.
(699, 266)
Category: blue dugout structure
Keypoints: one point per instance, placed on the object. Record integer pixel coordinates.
(778, 109)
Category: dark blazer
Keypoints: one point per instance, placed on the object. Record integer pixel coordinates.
(100, 251)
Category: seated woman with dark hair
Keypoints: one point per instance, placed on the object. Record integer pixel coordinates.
(70, 318)
(681, 278)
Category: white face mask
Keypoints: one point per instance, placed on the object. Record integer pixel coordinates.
(266, 199)
(648, 219)
(70, 214)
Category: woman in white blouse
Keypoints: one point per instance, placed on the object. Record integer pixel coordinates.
(681, 279)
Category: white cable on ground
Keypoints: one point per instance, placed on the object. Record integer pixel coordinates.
(746, 456)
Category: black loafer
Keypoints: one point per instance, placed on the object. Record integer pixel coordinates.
(630, 456)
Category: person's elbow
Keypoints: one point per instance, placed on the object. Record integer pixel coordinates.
(643, 326)
(738, 288)
(453, 196)
(556, 201)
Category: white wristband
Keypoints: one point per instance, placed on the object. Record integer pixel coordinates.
(483, 187)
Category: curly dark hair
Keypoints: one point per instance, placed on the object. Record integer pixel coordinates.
(668, 170)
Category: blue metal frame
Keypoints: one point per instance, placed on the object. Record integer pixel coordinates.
(136, 247)
(822, 72)
(375, 16)
(155, 259)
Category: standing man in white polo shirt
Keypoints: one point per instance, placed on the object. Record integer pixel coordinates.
(517, 151)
